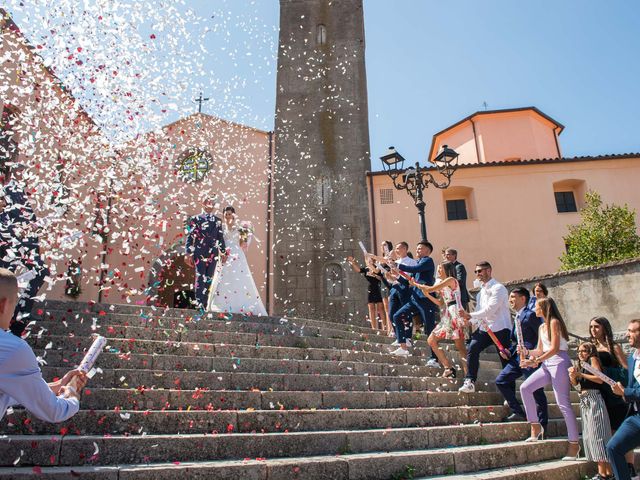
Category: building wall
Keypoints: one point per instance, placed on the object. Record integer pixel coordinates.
(514, 223)
(610, 291)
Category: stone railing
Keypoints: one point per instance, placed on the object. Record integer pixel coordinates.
(610, 290)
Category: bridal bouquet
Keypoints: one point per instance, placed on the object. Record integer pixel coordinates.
(245, 229)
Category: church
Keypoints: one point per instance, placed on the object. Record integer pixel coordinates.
(116, 213)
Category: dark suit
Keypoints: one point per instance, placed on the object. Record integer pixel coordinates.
(418, 303)
(506, 379)
(205, 242)
(461, 276)
(15, 220)
(627, 437)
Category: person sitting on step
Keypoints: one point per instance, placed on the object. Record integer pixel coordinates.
(21, 381)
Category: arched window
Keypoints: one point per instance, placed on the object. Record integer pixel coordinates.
(321, 34)
(334, 280)
(323, 191)
(459, 203)
(569, 195)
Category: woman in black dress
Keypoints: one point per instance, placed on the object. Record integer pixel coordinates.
(611, 358)
(374, 296)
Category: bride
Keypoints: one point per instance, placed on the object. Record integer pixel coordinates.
(232, 288)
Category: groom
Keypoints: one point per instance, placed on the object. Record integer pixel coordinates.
(205, 243)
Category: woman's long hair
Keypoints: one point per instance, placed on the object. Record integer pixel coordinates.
(608, 336)
(449, 269)
(549, 311)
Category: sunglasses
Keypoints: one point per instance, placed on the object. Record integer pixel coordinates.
(479, 270)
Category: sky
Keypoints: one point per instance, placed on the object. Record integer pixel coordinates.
(429, 64)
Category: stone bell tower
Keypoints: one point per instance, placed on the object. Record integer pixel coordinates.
(321, 156)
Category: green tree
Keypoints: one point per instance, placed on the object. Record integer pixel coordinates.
(605, 234)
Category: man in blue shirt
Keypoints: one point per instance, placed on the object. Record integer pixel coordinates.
(418, 304)
(21, 381)
(506, 379)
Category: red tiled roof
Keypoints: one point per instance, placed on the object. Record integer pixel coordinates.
(537, 161)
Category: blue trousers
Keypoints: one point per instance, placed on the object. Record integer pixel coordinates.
(204, 274)
(506, 383)
(403, 318)
(480, 341)
(626, 438)
(395, 304)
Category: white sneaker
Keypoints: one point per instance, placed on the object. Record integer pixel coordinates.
(433, 363)
(396, 343)
(401, 352)
(468, 386)
(409, 343)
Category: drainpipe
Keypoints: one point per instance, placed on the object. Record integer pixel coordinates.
(555, 137)
(475, 139)
(269, 220)
(374, 238)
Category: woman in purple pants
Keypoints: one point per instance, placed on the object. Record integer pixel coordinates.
(552, 357)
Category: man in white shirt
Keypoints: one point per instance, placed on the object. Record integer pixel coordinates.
(21, 381)
(492, 311)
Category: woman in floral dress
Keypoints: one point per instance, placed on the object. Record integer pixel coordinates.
(451, 326)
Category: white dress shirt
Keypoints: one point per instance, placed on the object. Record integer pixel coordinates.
(492, 307)
(636, 370)
(405, 261)
(21, 383)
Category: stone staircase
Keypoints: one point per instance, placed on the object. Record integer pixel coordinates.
(230, 397)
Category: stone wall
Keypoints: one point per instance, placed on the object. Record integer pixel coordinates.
(610, 290)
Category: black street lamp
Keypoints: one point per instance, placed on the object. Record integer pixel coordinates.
(415, 179)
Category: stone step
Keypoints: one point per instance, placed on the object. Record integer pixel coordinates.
(89, 323)
(146, 399)
(60, 358)
(191, 380)
(64, 323)
(228, 338)
(73, 347)
(116, 449)
(349, 466)
(101, 310)
(209, 420)
(555, 469)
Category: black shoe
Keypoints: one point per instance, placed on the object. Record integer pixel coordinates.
(514, 417)
(632, 470)
(449, 372)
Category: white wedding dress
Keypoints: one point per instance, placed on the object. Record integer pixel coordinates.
(232, 288)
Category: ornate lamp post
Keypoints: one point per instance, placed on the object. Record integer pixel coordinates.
(416, 178)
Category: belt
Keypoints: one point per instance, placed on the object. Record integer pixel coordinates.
(452, 302)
